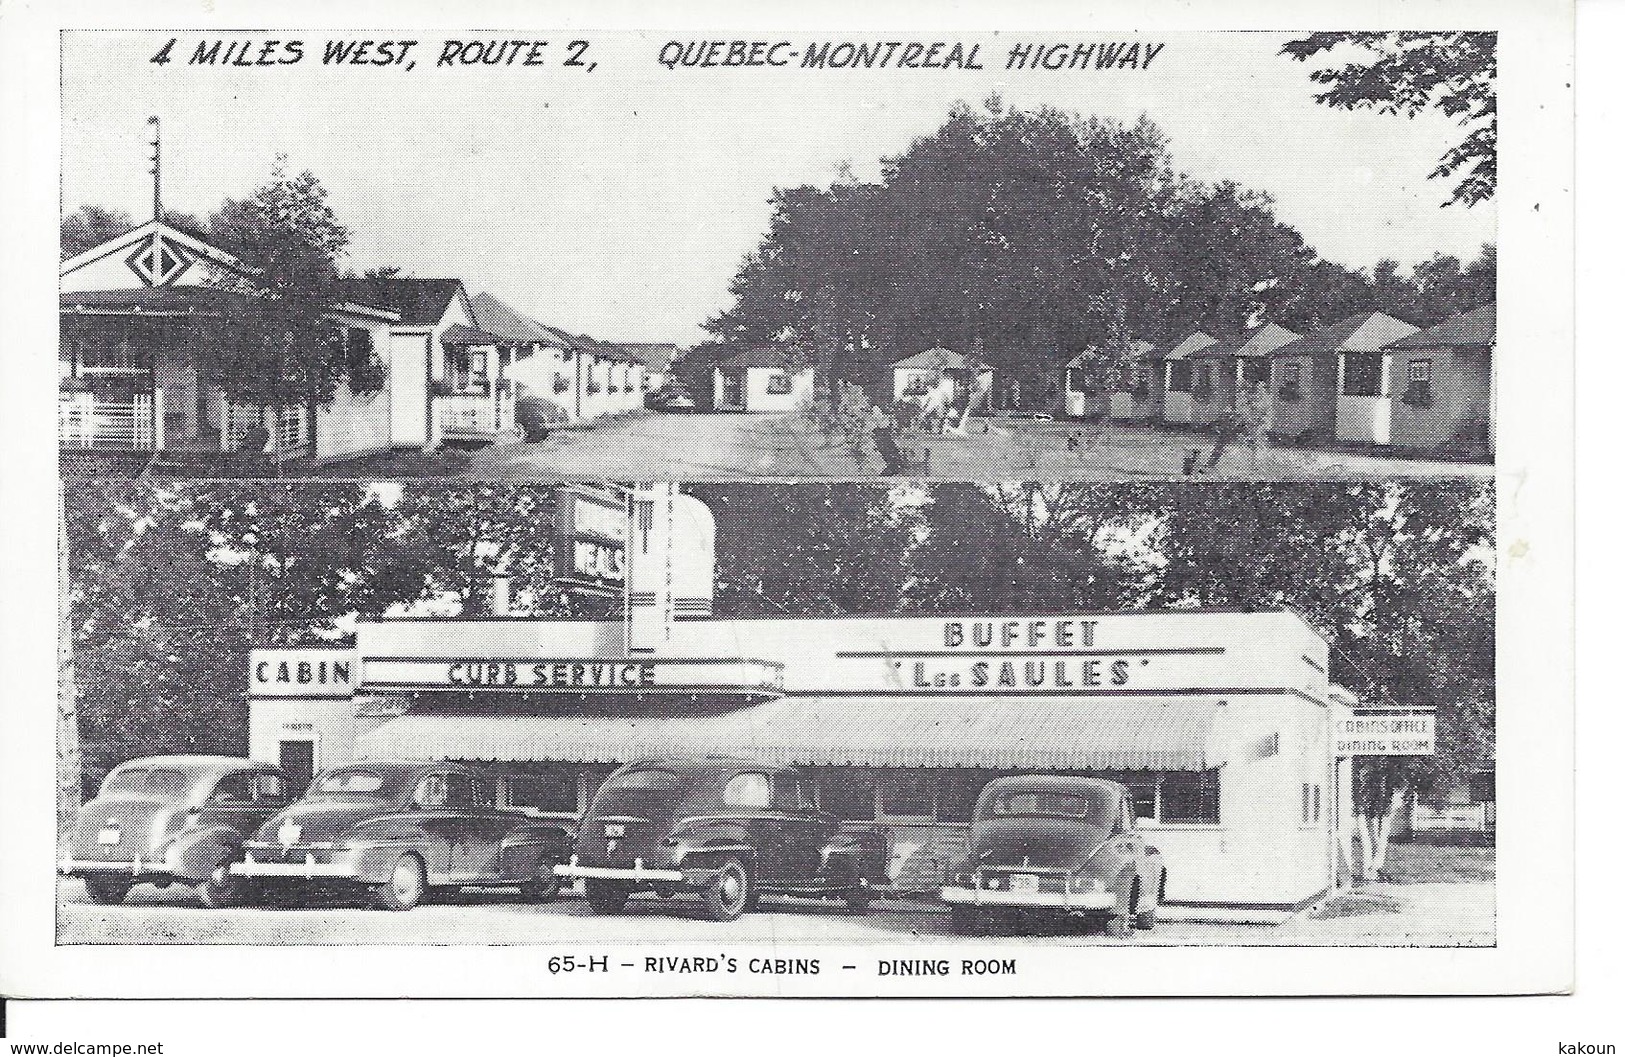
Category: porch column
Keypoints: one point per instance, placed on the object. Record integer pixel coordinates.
(157, 418)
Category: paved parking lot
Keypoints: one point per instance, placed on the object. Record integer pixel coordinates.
(1450, 915)
(708, 446)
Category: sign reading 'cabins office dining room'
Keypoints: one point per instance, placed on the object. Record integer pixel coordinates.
(1082, 655)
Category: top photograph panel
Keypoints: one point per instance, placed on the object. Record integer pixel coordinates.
(1186, 256)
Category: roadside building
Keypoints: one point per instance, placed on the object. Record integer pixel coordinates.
(140, 319)
(610, 379)
(1304, 372)
(1179, 397)
(543, 367)
(1136, 391)
(759, 380)
(959, 379)
(656, 357)
(1221, 372)
(1433, 390)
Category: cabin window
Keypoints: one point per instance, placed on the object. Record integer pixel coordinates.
(1291, 381)
(1179, 377)
(778, 383)
(1362, 374)
(1481, 787)
(1255, 371)
(1202, 381)
(1075, 380)
(1143, 791)
(1188, 796)
(1419, 383)
(750, 789)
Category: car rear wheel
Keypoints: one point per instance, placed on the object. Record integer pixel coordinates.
(1147, 918)
(406, 886)
(729, 893)
(605, 897)
(968, 921)
(220, 889)
(542, 888)
(858, 900)
(1120, 924)
(107, 890)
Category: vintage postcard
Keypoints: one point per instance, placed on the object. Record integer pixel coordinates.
(1026, 506)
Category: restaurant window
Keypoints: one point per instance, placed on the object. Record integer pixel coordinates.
(1362, 374)
(850, 797)
(1189, 796)
(1179, 377)
(909, 796)
(956, 802)
(750, 789)
(778, 383)
(123, 358)
(1144, 793)
(1481, 787)
(539, 793)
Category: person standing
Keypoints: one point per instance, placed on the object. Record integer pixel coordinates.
(883, 430)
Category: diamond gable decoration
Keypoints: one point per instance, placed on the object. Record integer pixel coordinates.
(159, 262)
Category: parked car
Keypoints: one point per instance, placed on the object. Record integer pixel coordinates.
(396, 829)
(673, 396)
(171, 819)
(728, 829)
(1057, 845)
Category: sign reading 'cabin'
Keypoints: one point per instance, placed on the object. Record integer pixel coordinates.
(302, 673)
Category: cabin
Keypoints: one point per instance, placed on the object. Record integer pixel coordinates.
(1304, 372)
(1445, 380)
(1137, 392)
(1179, 399)
(961, 379)
(759, 380)
(1223, 371)
(144, 318)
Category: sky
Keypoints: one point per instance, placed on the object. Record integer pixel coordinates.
(619, 202)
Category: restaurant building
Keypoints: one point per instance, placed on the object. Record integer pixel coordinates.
(1220, 722)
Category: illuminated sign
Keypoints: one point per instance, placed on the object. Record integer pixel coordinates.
(1395, 735)
(577, 675)
(592, 535)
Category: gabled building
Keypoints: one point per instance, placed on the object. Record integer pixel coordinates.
(1304, 372)
(1442, 386)
(140, 348)
(961, 379)
(1224, 370)
(758, 380)
(1179, 401)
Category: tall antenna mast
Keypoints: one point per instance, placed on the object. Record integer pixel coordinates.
(157, 196)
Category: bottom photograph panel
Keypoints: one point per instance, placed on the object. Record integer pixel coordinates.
(1232, 714)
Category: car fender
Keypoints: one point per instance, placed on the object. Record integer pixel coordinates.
(864, 853)
(708, 842)
(527, 847)
(193, 854)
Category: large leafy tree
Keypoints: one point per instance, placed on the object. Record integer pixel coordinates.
(1409, 73)
(279, 347)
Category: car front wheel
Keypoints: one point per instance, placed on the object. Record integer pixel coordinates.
(107, 890)
(406, 886)
(604, 897)
(729, 892)
(544, 887)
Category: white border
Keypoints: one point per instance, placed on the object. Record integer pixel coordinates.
(1534, 953)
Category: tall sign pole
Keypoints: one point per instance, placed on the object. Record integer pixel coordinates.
(157, 177)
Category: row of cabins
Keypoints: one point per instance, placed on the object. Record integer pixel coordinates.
(139, 360)
(1367, 381)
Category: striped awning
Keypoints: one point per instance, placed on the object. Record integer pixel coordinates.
(994, 733)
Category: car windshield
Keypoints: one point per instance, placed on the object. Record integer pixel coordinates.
(636, 792)
(354, 783)
(1096, 808)
(148, 781)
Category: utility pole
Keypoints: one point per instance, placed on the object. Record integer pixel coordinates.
(157, 166)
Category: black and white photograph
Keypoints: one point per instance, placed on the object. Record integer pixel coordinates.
(1199, 255)
(1051, 713)
(554, 503)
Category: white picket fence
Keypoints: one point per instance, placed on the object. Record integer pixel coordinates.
(289, 427)
(86, 421)
(474, 414)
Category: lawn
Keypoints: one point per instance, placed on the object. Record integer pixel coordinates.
(1417, 863)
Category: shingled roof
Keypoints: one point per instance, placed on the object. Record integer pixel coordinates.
(497, 317)
(1364, 332)
(1473, 328)
(421, 302)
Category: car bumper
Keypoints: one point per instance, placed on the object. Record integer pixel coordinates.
(134, 867)
(1086, 902)
(308, 869)
(636, 873)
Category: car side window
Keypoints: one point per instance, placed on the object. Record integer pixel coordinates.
(431, 791)
(750, 789)
(234, 789)
(460, 791)
(270, 788)
(794, 794)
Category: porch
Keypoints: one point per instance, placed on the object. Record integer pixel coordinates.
(475, 415)
(145, 421)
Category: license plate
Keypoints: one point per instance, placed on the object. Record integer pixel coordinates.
(109, 835)
(614, 829)
(1024, 882)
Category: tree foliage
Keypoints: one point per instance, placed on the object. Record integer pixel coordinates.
(1038, 235)
(1409, 73)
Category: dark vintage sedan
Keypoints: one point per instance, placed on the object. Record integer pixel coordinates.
(169, 819)
(728, 829)
(394, 830)
(1055, 844)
